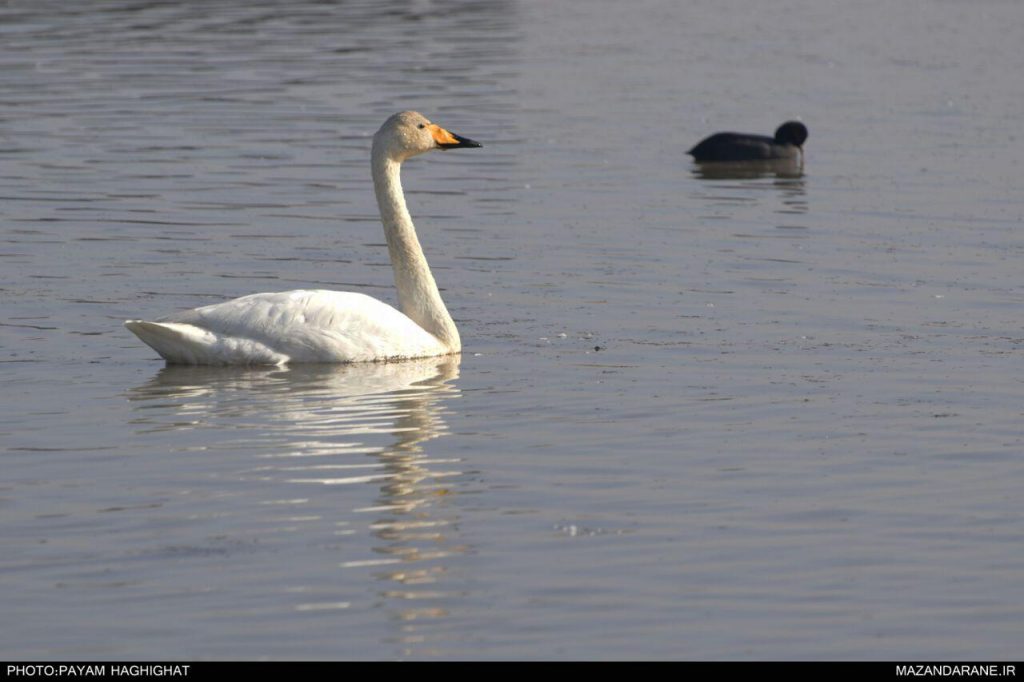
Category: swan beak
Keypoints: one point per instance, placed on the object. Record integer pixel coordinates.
(449, 140)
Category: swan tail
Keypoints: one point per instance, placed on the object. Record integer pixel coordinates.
(186, 344)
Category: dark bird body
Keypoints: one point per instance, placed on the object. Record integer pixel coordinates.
(787, 144)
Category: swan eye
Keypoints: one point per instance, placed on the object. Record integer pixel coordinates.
(422, 126)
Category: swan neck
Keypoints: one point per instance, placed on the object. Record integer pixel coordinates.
(418, 295)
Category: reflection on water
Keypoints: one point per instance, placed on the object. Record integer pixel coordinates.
(296, 405)
(328, 426)
(750, 179)
(748, 170)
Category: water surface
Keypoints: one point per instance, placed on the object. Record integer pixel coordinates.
(701, 413)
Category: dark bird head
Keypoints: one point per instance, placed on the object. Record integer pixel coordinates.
(791, 132)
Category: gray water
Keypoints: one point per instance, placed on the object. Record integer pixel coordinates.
(699, 415)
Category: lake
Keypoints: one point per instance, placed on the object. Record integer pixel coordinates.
(700, 413)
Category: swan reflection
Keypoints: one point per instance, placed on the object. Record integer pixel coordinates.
(310, 409)
(310, 439)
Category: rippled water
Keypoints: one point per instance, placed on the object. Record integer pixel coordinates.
(701, 413)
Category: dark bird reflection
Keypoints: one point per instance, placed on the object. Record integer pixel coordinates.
(739, 183)
(748, 170)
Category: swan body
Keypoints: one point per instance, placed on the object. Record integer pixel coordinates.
(290, 326)
(319, 326)
(786, 144)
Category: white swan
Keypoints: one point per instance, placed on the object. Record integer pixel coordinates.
(331, 326)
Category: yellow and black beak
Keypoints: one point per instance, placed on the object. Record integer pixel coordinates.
(449, 140)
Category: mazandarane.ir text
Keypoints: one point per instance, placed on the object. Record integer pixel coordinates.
(951, 670)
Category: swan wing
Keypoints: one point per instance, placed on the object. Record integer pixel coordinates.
(290, 326)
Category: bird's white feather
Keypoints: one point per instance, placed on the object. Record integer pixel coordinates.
(288, 326)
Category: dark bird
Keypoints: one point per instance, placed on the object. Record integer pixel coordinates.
(787, 144)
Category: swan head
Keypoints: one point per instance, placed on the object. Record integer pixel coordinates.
(409, 133)
(791, 132)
